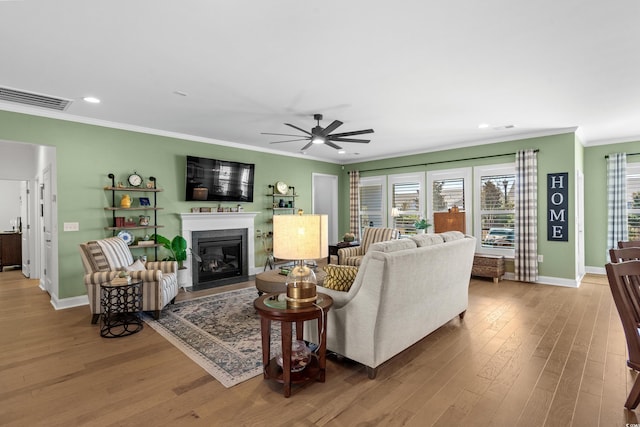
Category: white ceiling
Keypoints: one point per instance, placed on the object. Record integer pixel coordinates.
(423, 74)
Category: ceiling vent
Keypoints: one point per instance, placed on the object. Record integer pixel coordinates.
(33, 99)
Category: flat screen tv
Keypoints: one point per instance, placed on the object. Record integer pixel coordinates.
(218, 180)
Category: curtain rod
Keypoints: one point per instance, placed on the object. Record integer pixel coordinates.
(443, 161)
(630, 154)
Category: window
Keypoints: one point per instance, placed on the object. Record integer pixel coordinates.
(633, 200)
(495, 201)
(372, 206)
(406, 198)
(449, 188)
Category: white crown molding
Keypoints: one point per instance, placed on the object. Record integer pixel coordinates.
(58, 115)
(466, 144)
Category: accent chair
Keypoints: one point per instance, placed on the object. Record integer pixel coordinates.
(353, 255)
(104, 259)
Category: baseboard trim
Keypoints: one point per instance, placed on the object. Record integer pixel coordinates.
(546, 280)
(61, 304)
(596, 270)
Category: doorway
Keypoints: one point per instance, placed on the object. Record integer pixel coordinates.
(324, 191)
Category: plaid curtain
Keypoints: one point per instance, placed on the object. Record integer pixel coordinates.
(354, 203)
(526, 223)
(617, 194)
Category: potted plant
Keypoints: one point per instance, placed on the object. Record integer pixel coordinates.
(178, 248)
(421, 225)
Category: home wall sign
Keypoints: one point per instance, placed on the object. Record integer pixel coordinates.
(558, 207)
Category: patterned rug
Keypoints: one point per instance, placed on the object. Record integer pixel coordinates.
(221, 333)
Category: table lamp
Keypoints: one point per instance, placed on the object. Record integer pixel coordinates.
(297, 238)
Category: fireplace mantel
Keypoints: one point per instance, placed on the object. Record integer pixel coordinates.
(219, 221)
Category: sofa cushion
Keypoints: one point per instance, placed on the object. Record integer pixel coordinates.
(339, 277)
(136, 266)
(450, 236)
(393, 245)
(427, 239)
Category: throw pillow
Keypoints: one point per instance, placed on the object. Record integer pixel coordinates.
(339, 277)
(136, 266)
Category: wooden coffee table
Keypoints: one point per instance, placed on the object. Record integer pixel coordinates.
(271, 281)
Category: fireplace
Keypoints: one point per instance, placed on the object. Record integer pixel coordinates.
(223, 255)
(229, 248)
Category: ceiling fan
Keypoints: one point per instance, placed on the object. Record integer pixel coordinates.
(319, 135)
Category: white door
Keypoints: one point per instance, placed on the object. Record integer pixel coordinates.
(24, 226)
(46, 205)
(581, 270)
(325, 201)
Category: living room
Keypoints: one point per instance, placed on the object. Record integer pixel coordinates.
(66, 157)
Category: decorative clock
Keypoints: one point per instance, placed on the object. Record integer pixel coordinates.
(135, 180)
(282, 187)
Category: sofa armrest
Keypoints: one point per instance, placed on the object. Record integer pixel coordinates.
(340, 298)
(164, 266)
(99, 277)
(146, 275)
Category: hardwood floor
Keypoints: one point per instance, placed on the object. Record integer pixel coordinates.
(525, 355)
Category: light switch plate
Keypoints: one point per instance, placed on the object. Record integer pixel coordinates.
(71, 226)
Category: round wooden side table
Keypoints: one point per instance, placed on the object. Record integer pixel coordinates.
(121, 308)
(271, 308)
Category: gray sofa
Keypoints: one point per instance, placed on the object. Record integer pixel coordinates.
(404, 290)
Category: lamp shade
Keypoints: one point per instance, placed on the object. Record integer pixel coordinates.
(395, 212)
(298, 237)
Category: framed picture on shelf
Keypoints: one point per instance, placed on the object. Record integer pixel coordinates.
(144, 201)
(205, 209)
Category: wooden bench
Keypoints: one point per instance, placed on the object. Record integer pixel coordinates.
(488, 266)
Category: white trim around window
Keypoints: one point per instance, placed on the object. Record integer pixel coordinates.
(478, 173)
(378, 208)
(453, 174)
(407, 179)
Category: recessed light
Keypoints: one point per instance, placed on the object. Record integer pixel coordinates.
(91, 99)
(341, 151)
(483, 125)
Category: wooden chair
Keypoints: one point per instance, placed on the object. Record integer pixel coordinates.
(625, 254)
(629, 244)
(624, 281)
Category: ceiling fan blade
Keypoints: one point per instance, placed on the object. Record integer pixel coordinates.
(289, 140)
(280, 134)
(362, 141)
(355, 132)
(306, 146)
(331, 144)
(300, 129)
(333, 126)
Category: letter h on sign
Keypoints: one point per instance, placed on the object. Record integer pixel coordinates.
(558, 207)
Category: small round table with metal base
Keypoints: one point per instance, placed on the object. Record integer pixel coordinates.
(121, 307)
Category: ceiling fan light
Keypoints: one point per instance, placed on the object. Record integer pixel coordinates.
(317, 140)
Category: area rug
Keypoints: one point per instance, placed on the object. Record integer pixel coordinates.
(221, 333)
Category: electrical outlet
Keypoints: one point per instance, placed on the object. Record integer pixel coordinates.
(540, 258)
(71, 226)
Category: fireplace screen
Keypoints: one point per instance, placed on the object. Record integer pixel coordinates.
(222, 256)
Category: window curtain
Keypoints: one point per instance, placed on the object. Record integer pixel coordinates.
(354, 203)
(526, 223)
(617, 229)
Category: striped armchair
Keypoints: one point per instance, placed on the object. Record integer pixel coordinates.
(353, 255)
(105, 259)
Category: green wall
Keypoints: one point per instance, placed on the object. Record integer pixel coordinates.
(87, 153)
(556, 154)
